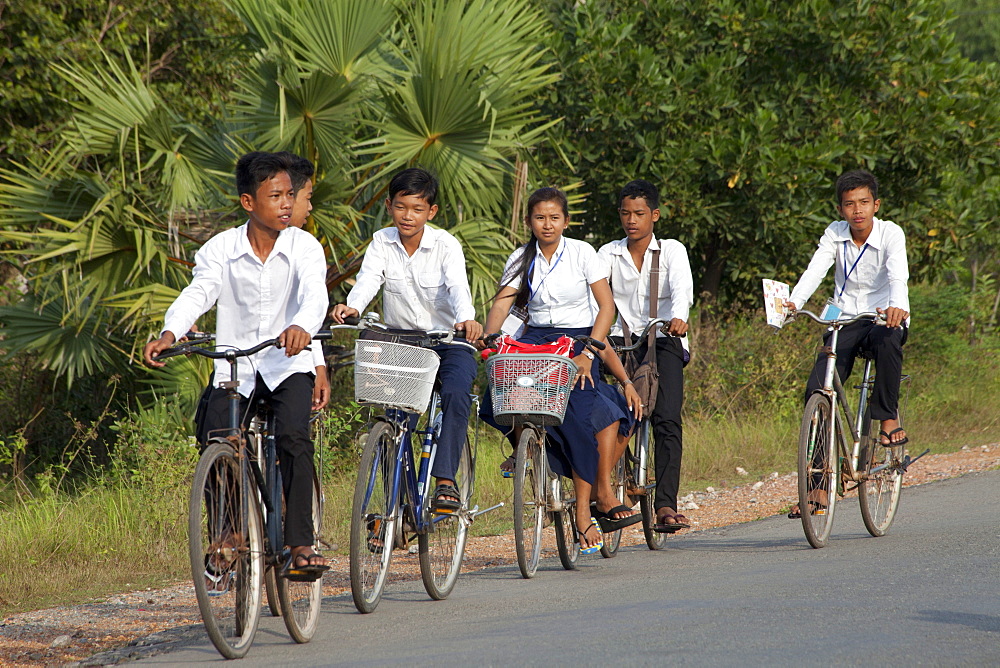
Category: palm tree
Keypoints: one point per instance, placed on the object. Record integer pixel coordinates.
(362, 87)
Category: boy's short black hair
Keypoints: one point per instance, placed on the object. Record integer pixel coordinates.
(640, 188)
(856, 178)
(415, 181)
(256, 167)
(299, 169)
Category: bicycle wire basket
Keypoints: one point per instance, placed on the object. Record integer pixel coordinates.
(530, 388)
(394, 374)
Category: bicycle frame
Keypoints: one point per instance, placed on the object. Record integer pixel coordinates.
(834, 389)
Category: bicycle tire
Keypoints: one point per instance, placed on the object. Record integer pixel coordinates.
(226, 543)
(565, 526)
(373, 518)
(442, 548)
(530, 474)
(818, 469)
(613, 539)
(878, 493)
(300, 601)
(645, 478)
(271, 590)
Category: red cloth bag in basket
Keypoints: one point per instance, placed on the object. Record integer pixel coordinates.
(507, 345)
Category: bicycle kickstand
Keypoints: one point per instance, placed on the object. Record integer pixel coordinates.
(907, 461)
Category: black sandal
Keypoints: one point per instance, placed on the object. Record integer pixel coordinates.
(891, 443)
(309, 572)
(442, 503)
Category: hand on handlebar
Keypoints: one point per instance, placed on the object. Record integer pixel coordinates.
(294, 340)
(677, 327)
(894, 316)
(154, 348)
(341, 311)
(473, 330)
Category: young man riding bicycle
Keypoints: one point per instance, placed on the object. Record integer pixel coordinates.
(268, 280)
(426, 288)
(871, 275)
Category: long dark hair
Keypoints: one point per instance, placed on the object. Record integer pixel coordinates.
(525, 263)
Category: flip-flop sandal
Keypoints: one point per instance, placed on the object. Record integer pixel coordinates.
(217, 581)
(669, 523)
(891, 443)
(442, 503)
(307, 573)
(608, 522)
(511, 462)
(594, 547)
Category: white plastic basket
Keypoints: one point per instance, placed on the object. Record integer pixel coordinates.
(530, 387)
(394, 374)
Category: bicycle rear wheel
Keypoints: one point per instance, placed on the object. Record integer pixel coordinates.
(613, 539)
(271, 590)
(818, 468)
(442, 546)
(226, 549)
(565, 525)
(645, 479)
(373, 518)
(300, 601)
(879, 493)
(530, 475)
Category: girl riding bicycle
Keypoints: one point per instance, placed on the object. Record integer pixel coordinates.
(558, 286)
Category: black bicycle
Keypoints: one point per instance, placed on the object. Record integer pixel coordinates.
(236, 522)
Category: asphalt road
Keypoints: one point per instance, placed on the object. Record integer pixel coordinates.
(928, 593)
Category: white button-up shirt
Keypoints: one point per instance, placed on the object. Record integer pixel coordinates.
(630, 285)
(426, 291)
(561, 295)
(877, 280)
(256, 300)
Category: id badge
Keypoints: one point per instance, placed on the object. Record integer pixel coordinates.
(831, 311)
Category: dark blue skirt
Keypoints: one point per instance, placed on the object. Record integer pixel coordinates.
(572, 446)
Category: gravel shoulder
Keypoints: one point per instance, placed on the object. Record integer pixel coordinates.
(123, 627)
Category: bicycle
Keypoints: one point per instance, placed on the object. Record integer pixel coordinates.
(828, 463)
(531, 391)
(392, 497)
(634, 476)
(235, 523)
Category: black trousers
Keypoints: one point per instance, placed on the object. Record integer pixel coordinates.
(666, 419)
(290, 402)
(886, 348)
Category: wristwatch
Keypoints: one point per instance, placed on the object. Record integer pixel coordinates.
(588, 354)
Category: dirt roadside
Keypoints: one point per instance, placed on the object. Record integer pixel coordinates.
(128, 626)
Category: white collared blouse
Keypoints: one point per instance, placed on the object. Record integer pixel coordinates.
(630, 285)
(560, 287)
(426, 291)
(256, 300)
(876, 274)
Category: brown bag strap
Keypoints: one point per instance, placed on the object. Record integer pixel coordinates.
(654, 289)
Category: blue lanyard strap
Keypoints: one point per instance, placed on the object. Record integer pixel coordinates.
(531, 268)
(848, 272)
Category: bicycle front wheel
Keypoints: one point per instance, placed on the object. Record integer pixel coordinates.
(442, 545)
(818, 467)
(530, 474)
(373, 518)
(644, 476)
(880, 491)
(565, 525)
(226, 549)
(613, 539)
(300, 601)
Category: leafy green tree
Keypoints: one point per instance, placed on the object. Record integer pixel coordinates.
(977, 28)
(744, 112)
(186, 47)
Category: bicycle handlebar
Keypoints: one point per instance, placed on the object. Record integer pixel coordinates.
(839, 322)
(193, 347)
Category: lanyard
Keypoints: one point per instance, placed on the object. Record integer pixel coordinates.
(847, 273)
(531, 268)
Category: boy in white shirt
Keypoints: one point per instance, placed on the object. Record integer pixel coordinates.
(268, 280)
(871, 275)
(426, 288)
(630, 262)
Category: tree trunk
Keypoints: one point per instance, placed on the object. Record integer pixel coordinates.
(711, 280)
